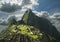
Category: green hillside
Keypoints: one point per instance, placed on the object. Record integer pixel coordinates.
(24, 33)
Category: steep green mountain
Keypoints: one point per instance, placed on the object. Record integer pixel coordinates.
(30, 29)
(43, 24)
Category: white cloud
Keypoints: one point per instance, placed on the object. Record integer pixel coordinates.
(35, 2)
(55, 16)
(29, 4)
(23, 3)
(39, 14)
(12, 1)
(44, 14)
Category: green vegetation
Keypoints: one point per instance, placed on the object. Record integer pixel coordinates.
(22, 29)
(33, 34)
(26, 31)
(25, 17)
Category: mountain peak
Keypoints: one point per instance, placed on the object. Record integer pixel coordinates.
(29, 10)
(28, 15)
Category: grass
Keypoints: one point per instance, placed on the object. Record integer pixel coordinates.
(26, 30)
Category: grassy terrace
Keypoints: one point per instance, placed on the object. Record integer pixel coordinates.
(29, 31)
(25, 32)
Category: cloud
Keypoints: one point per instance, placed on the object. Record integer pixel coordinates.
(55, 18)
(24, 3)
(56, 15)
(12, 1)
(44, 14)
(29, 4)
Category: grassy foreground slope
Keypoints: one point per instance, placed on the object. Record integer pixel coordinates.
(24, 33)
